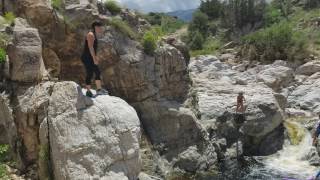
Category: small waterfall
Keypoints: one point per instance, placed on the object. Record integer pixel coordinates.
(292, 161)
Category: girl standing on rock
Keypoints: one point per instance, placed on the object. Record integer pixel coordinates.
(90, 59)
(240, 110)
(240, 103)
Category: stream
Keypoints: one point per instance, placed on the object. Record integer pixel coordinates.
(290, 163)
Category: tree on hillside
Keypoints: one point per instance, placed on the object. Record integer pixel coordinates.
(309, 4)
(284, 5)
(198, 30)
(199, 23)
(212, 8)
(3, 9)
(239, 13)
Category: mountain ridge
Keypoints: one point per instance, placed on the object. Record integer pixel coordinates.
(185, 15)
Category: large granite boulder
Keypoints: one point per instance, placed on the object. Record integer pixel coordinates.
(191, 160)
(25, 53)
(309, 68)
(306, 96)
(216, 89)
(91, 142)
(276, 77)
(171, 127)
(9, 133)
(55, 124)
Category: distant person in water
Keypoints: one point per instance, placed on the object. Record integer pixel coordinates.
(90, 59)
(240, 103)
(316, 134)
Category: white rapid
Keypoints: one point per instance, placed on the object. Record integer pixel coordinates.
(291, 160)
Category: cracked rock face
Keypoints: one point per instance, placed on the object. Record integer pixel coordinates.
(93, 139)
(25, 53)
(306, 96)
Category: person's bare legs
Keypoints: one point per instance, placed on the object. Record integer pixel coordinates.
(98, 84)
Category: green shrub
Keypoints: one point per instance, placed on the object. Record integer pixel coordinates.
(56, 4)
(113, 7)
(149, 43)
(167, 23)
(123, 27)
(199, 23)
(4, 39)
(198, 30)
(9, 17)
(309, 4)
(170, 24)
(277, 42)
(2, 60)
(212, 28)
(210, 46)
(3, 172)
(154, 18)
(196, 41)
(150, 39)
(4, 150)
(273, 15)
(212, 8)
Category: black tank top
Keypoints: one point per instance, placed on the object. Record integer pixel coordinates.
(86, 51)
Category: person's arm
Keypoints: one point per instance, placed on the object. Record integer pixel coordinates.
(90, 39)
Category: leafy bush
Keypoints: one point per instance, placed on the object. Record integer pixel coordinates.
(309, 4)
(199, 23)
(273, 15)
(149, 43)
(123, 27)
(212, 8)
(154, 18)
(9, 17)
(197, 40)
(4, 38)
(2, 60)
(277, 42)
(210, 46)
(237, 14)
(212, 28)
(113, 7)
(150, 39)
(198, 30)
(4, 149)
(170, 24)
(56, 4)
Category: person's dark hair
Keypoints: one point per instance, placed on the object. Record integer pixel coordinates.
(96, 24)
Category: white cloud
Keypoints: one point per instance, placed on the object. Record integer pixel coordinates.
(160, 5)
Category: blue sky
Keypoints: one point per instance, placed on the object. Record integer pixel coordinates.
(160, 5)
